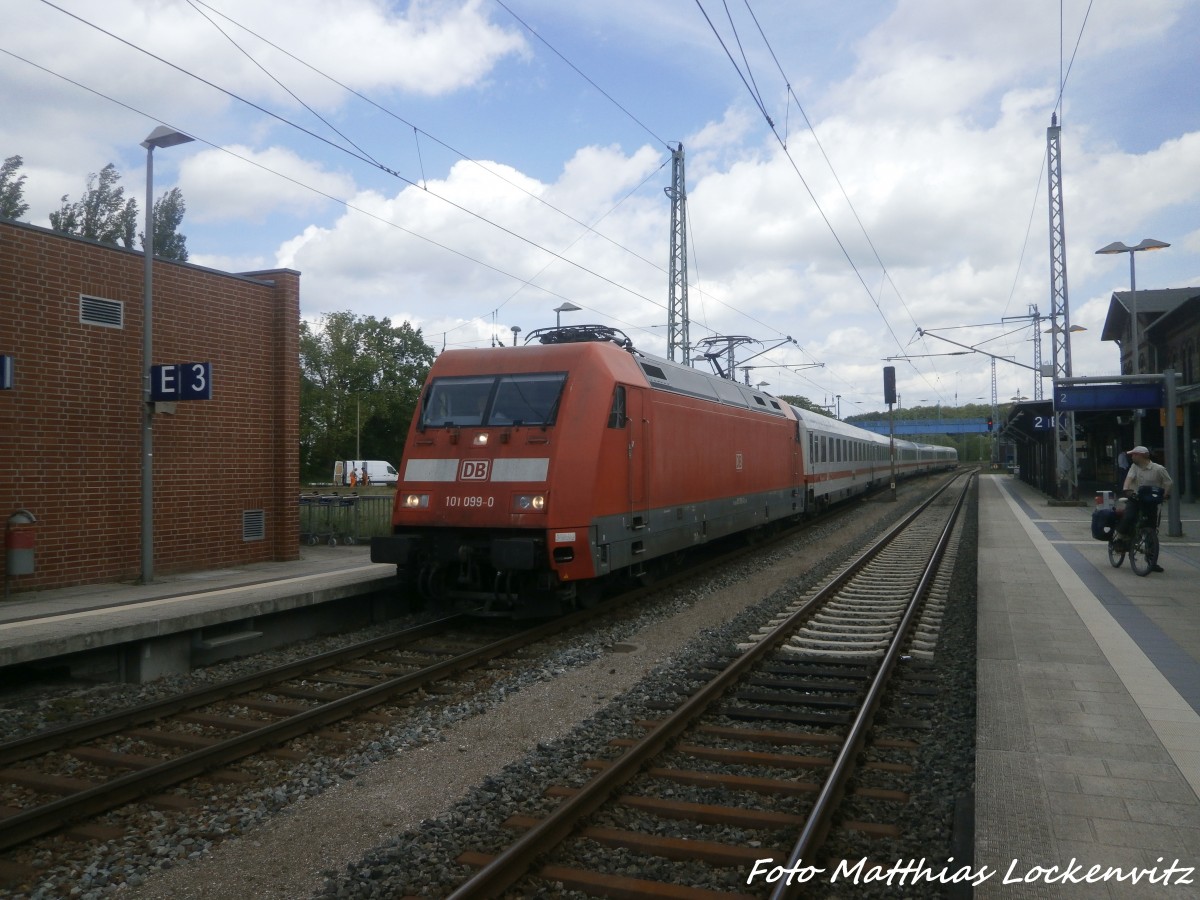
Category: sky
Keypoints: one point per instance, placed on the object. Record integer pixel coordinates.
(856, 174)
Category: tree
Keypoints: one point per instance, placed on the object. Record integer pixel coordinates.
(804, 403)
(168, 213)
(361, 379)
(103, 214)
(12, 190)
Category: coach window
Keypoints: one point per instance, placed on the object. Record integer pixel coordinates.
(617, 416)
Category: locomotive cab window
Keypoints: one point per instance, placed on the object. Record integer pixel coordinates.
(527, 399)
(493, 400)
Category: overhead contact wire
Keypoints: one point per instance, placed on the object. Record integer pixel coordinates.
(361, 158)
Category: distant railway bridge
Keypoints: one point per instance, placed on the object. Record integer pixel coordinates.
(907, 427)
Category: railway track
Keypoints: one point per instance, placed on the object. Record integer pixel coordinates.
(58, 780)
(756, 764)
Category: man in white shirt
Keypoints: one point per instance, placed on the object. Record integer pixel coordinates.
(1144, 473)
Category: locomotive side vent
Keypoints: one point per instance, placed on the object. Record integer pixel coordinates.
(96, 311)
(654, 371)
(254, 525)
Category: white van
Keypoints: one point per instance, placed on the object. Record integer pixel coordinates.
(378, 471)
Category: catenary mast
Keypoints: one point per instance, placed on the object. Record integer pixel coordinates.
(1060, 317)
(677, 304)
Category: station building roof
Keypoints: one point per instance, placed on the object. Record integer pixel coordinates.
(1153, 302)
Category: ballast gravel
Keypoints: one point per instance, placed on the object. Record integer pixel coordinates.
(388, 818)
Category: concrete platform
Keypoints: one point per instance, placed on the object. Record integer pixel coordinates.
(180, 621)
(1088, 729)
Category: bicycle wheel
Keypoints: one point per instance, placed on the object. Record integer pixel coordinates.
(1116, 555)
(1143, 552)
(1151, 544)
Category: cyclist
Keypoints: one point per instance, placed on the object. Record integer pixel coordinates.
(1142, 473)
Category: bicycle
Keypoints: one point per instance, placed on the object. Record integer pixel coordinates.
(1142, 543)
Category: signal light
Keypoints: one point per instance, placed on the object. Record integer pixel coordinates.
(989, 423)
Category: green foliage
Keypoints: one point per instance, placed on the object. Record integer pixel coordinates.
(903, 413)
(804, 403)
(102, 214)
(168, 213)
(12, 190)
(361, 379)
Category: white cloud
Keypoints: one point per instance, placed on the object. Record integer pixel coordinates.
(239, 183)
(934, 114)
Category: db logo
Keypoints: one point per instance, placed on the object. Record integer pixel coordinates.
(475, 470)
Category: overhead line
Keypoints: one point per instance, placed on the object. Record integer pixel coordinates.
(812, 196)
(812, 130)
(581, 74)
(416, 130)
(623, 109)
(290, 92)
(339, 200)
(360, 157)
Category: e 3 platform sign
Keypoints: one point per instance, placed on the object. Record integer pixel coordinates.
(181, 381)
(1087, 397)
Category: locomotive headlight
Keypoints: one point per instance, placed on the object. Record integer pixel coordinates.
(416, 501)
(529, 503)
(480, 440)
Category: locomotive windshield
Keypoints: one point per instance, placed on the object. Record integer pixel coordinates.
(493, 400)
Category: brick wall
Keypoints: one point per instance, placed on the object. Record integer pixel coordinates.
(71, 429)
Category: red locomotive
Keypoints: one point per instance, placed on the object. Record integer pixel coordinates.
(532, 471)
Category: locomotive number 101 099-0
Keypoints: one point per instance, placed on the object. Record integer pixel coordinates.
(472, 502)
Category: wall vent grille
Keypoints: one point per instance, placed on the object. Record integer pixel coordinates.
(254, 525)
(106, 313)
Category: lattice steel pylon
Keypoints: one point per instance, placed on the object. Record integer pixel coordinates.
(995, 418)
(1037, 350)
(677, 297)
(1060, 317)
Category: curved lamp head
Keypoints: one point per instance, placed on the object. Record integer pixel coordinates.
(162, 136)
(1146, 244)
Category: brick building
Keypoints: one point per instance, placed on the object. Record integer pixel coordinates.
(226, 470)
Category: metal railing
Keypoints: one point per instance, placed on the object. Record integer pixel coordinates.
(333, 518)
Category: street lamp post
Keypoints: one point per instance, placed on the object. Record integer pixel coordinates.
(1118, 247)
(567, 306)
(162, 136)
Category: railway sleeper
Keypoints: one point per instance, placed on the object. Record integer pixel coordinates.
(714, 853)
(609, 885)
